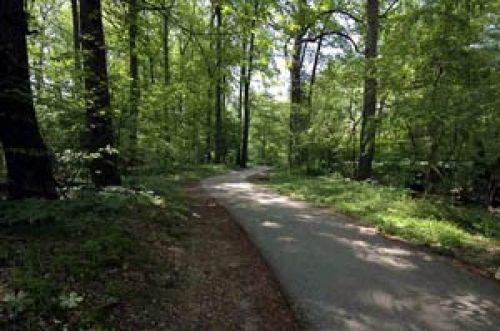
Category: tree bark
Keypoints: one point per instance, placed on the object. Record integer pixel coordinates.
(307, 151)
(313, 74)
(149, 61)
(100, 138)
(208, 136)
(368, 122)
(219, 138)
(29, 166)
(246, 104)
(243, 75)
(295, 100)
(183, 46)
(166, 72)
(134, 83)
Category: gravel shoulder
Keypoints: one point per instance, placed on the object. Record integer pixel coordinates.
(228, 285)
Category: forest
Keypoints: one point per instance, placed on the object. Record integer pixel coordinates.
(385, 110)
(164, 84)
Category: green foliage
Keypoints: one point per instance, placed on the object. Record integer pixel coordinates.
(268, 132)
(68, 260)
(437, 73)
(471, 234)
(15, 303)
(70, 301)
(438, 90)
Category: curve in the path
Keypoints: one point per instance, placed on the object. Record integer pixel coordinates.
(341, 276)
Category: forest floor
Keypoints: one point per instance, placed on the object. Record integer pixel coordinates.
(341, 273)
(157, 256)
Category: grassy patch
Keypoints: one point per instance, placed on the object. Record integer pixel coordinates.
(470, 234)
(100, 260)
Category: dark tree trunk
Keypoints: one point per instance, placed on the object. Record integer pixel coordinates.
(166, 72)
(307, 152)
(295, 100)
(28, 161)
(149, 62)
(182, 55)
(100, 137)
(247, 82)
(313, 74)
(368, 122)
(134, 83)
(243, 74)
(208, 136)
(219, 138)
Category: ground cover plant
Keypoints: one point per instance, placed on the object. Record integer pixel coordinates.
(468, 233)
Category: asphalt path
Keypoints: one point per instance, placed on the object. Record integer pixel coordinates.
(342, 276)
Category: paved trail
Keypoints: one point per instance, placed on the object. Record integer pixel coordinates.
(340, 276)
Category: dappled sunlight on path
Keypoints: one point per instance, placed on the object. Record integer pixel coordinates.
(342, 276)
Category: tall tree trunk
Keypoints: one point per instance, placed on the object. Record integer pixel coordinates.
(307, 152)
(208, 136)
(182, 54)
(243, 75)
(219, 138)
(248, 80)
(295, 100)
(166, 72)
(134, 83)
(313, 74)
(368, 122)
(28, 161)
(100, 137)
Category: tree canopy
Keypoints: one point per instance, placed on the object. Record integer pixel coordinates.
(401, 91)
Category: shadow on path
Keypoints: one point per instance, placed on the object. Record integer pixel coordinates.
(342, 276)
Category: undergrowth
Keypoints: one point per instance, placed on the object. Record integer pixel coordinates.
(471, 234)
(82, 262)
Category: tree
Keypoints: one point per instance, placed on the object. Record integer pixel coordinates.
(368, 120)
(99, 138)
(241, 97)
(219, 137)
(296, 118)
(297, 124)
(310, 23)
(27, 157)
(424, 89)
(247, 73)
(134, 81)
